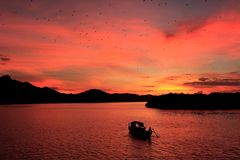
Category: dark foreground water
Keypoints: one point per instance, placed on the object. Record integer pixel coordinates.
(99, 131)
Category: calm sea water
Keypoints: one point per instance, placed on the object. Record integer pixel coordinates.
(99, 131)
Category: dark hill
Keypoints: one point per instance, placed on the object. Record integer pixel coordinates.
(13, 91)
(196, 101)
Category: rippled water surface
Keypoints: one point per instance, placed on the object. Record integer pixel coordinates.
(99, 131)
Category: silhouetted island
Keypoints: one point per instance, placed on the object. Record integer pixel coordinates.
(14, 92)
(211, 101)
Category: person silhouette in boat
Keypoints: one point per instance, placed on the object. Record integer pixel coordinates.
(150, 130)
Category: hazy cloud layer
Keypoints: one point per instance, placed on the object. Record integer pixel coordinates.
(216, 82)
(4, 59)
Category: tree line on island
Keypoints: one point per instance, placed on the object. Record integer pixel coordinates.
(17, 92)
(196, 101)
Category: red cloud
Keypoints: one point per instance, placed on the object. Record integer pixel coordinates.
(116, 50)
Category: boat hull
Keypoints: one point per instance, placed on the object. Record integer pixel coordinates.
(139, 133)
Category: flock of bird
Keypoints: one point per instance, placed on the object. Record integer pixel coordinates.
(80, 27)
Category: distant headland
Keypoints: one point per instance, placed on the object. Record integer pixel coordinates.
(213, 101)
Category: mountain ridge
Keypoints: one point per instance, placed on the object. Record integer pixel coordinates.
(13, 91)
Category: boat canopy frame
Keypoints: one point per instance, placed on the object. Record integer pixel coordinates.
(137, 124)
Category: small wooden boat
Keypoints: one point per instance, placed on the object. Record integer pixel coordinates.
(138, 130)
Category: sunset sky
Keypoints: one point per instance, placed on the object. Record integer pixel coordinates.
(134, 46)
